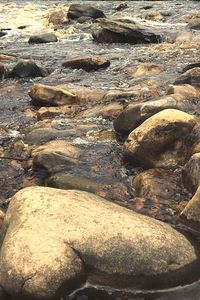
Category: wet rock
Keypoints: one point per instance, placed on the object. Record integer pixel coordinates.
(191, 66)
(57, 17)
(48, 112)
(158, 193)
(121, 6)
(2, 71)
(186, 90)
(190, 216)
(2, 33)
(27, 68)
(191, 173)
(70, 232)
(191, 76)
(55, 156)
(78, 10)
(147, 69)
(135, 114)
(154, 16)
(51, 95)
(121, 32)
(72, 182)
(106, 111)
(62, 94)
(87, 63)
(85, 19)
(163, 140)
(43, 135)
(43, 38)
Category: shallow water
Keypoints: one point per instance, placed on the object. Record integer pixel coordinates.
(102, 159)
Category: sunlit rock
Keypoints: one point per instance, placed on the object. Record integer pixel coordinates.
(163, 140)
(54, 239)
(87, 63)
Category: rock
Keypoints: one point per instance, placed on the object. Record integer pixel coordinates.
(87, 63)
(27, 68)
(121, 6)
(62, 94)
(147, 69)
(132, 93)
(2, 215)
(2, 71)
(184, 37)
(106, 111)
(190, 216)
(7, 58)
(78, 10)
(85, 19)
(135, 114)
(190, 66)
(2, 33)
(194, 24)
(61, 237)
(121, 32)
(66, 181)
(154, 16)
(158, 193)
(191, 76)
(163, 140)
(191, 173)
(186, 90)
(43, 38)
(57, 17)
(55, 156)
(43, 135)
(48, 112)
(51, 95)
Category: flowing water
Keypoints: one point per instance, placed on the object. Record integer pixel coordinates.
(102, 157)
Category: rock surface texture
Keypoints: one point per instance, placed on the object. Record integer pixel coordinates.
(54, 239)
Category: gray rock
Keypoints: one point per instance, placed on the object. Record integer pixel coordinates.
(54, 239)
(79, 10)
(27, 68)
(43, 38)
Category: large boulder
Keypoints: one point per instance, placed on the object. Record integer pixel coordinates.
(122, 32)
(55, 156)
(135, 114)
(79, 10)
(54, 239)
(163, 140)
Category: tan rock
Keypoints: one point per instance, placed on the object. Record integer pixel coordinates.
(161, 140)
(106, 111)
(57, 17)
(186, 90)
(154, 16)
(184, 37)
(55, 156)
(191, 173)
(52, 237)
(2, 215)
(148, 69)
(48, 112)
(87, 63)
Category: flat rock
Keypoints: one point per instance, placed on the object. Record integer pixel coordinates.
(192, 76)
(122, 32)
(135, 114)
(78, 10)
(49, 112)
(148, 69)
(55, 156)
(87, 63)
(43, 38)
(186, 90)
(63, 95)
(54, 239)
(163, 140)
(27, 68)
(106, 111)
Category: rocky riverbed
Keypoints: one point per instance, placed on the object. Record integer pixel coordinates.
(99, 146)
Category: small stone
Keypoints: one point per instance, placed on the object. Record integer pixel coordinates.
(27, 68)
(49, 112)
(121, 6)
(154, 16)
(57, 17)
(43, 38)
(147, 69)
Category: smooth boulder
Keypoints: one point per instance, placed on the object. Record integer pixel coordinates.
(43, 38)
(55, 239)
(79, 10)
(87, 63)
(163, 140)
(27, 68)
